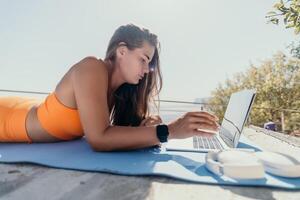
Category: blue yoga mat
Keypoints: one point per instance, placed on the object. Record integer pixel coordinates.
(78, 155)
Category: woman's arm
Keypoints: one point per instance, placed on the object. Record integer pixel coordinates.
(126, 138)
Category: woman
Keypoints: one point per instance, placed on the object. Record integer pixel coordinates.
(105, 100)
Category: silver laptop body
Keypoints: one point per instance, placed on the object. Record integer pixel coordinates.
(235, 117)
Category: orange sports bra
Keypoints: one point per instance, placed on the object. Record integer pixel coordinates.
(59, 120)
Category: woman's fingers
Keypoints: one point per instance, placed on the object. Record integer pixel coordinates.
(204, 126)
(203, 120)
(205, 115)
(143, 122)
(151, 120)
(156, 117)
(203, 133)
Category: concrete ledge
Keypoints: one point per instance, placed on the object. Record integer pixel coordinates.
(290, 139)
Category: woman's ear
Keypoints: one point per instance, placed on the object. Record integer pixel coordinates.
(121, 50)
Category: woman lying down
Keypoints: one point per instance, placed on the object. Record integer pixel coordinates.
(106, 100)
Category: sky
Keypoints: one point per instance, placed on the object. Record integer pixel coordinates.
(203, 42)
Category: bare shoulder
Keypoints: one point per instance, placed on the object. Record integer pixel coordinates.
(89, 77)
(89, 74)
(89, 65)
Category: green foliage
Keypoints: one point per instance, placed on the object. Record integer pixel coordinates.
(295, 49)
(277, 82)
(290, 11)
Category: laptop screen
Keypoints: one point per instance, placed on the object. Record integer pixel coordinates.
(235, 116)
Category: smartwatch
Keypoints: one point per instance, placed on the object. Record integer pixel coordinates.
(162, 133)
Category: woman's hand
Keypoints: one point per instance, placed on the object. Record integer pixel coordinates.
(193, 123)
(151, 121)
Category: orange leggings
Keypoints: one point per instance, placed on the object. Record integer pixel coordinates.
(13, 112)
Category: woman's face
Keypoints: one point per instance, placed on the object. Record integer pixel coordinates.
(134, 64)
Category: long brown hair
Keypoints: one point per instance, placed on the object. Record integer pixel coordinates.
(131, 102)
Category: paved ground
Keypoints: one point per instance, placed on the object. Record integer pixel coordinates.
(290, 139)
(19, 181)
(273, 143)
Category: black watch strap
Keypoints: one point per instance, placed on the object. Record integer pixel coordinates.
(162, 132)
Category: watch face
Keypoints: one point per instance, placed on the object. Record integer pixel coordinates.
(162, 133)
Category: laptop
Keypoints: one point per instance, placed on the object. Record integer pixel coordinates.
(228, 136)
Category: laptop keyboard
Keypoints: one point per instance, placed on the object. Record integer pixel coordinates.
(201, 142)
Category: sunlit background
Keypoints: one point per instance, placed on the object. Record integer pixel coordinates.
(203, 42)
